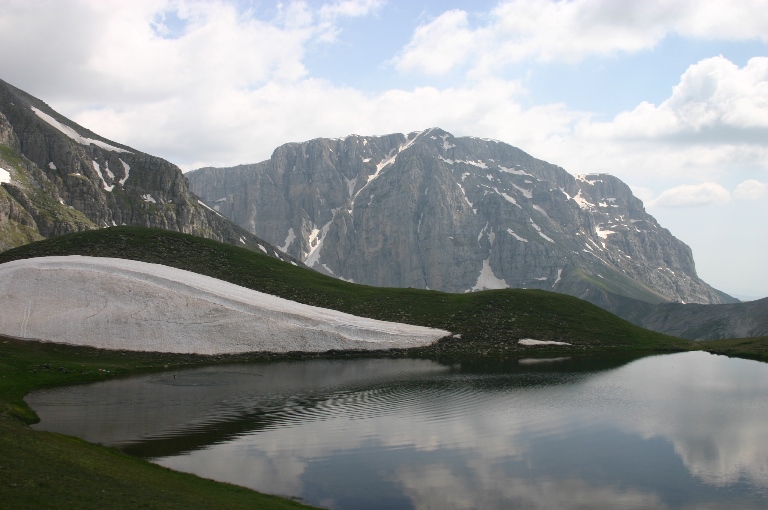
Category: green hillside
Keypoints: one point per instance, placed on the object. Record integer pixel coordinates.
(489, 322)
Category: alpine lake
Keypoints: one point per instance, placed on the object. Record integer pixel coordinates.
(674, 431)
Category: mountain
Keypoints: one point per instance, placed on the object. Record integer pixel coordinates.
(695, 321)
(57, 177)
(457, 214)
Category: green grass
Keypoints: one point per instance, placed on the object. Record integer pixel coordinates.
(44, 470)
(749, 348)
(489, 322)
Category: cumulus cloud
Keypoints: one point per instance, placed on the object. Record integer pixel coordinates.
(714, 102)
(693, 195)
(714, 122)
(569, 31)
(750, 189)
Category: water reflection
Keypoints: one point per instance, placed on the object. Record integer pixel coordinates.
(677, 431)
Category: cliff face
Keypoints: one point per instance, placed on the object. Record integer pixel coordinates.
(64, 178)
(430, 210)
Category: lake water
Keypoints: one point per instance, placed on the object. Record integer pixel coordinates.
(679, 431)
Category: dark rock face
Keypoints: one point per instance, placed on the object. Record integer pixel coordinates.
(65, 178)
(429, 210)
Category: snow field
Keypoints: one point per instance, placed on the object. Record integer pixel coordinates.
(130, 305)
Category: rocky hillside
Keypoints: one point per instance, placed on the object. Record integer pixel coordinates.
(430, 210)
(57, 177)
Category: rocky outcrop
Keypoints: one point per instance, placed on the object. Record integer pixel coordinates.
(65, 178)
(430, 210)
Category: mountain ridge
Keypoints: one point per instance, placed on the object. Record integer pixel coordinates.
(64, 178)
(430, 210)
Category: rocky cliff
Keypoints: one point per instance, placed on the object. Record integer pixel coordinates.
(430, 210)
(58, 177)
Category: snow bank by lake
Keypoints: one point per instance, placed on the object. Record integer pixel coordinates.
(124, 304)
(530, 342)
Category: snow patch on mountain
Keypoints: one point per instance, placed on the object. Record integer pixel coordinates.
(127, 169)
(487, 280)
(74, 135)
(97, 168)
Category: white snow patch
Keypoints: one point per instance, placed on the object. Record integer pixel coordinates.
(366, 160)
(542, 211)
(582, 202)
(71, 133)
(479, 164)
(242, 239)
(538, 229)
(148, 198)
(559, 274)
(525, 192)
(449, 161)
(603, 233)
(52, 166)
(531, 342)
(148, 307)
(446, 145)
(464, 193)
(209, 208)
(487, 280)
(96, 167)
(127, 169)
(288, 240)
(513, 171)
(541, 279)
(512, 233)
(585, 178)
(507, 198)
(316, 239)
(5, 175)
(263, 249)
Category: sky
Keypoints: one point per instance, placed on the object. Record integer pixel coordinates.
(671, 96)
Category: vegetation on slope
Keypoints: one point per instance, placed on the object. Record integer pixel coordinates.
(755, 348)
(490, 323)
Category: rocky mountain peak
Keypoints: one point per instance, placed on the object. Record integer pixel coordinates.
(431, 210)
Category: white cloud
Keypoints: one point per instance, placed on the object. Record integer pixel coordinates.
(439, 46)
(714, 123)
(750, 189)
(569, 31)
(715, 102)
(693, 195)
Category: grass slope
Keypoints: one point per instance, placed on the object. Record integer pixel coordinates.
(749, 348)
(490, 322)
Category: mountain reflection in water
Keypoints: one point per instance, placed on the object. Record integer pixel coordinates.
(675, 431)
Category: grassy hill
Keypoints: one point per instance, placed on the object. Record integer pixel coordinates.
(489, 322)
